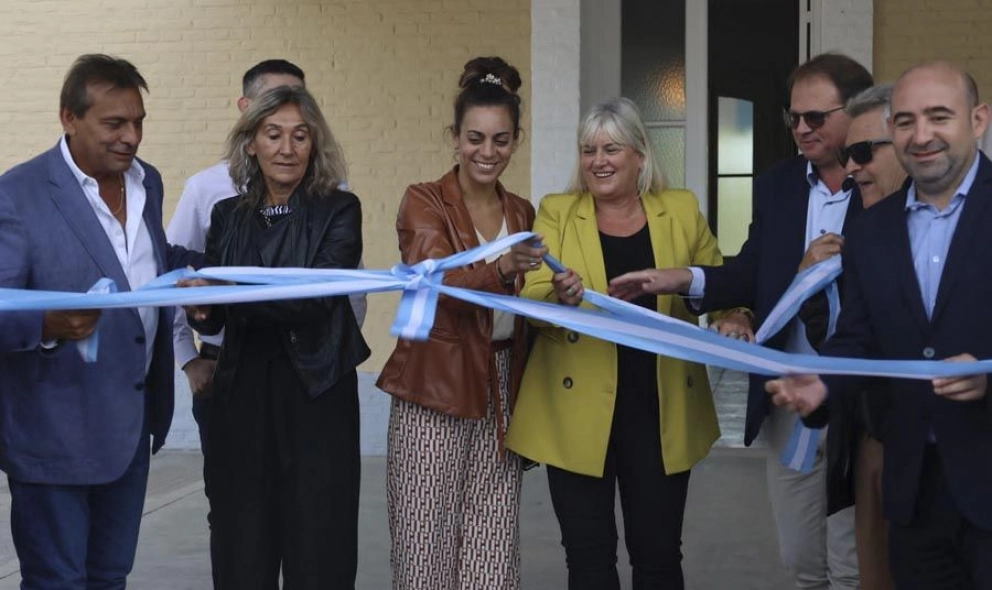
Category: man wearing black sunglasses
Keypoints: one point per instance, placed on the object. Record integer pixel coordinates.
(854, 448)
(917, 279)
(800, 208)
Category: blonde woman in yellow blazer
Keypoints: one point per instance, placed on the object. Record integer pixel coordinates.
(598, 414)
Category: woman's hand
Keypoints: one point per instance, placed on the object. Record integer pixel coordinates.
(199, 313)
(568, 287)
(522, 257)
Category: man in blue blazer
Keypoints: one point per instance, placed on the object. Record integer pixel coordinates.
(74, 436)
(918, 282)
(801, 208)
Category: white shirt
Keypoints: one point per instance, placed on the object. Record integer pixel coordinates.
(188, 228)
(133, 243)
(824, 214)
(502, 321)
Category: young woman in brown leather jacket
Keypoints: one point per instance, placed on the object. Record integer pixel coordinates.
(453, 489)
(284, 462)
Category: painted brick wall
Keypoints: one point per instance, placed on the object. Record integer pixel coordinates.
(910, 31)
(846, 26)
(555, 63)
(385, 72)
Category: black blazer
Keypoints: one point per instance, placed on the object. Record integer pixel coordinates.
(883, 316)
(320, 335)
(758, 277)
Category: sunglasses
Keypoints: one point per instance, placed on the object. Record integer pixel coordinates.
(861, 152)
(814, 119)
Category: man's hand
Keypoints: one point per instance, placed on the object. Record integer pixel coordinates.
(961, 389)
(70, 324)
(736, 325)
(822, 248)
(800, 393)
(651, 281)
(199, 313)
(200, 372)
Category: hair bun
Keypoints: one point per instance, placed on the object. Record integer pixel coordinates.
(484, 69)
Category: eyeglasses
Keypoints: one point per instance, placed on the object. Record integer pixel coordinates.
(861, 152)
(814, 119)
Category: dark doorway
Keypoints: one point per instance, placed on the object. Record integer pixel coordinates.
(753, 46)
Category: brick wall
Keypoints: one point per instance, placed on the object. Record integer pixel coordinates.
(384, 72)
(910, 31)
(846, 26)
(555, 63)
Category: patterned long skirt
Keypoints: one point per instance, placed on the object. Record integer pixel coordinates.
(454, 497)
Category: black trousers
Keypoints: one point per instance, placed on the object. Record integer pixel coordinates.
(939, 550)
(653, 506)
(284, 480)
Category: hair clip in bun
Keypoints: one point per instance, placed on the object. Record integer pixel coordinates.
(491, 79)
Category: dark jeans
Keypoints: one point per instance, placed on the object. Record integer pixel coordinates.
(653, 506)
(939, 550)
(79, 536)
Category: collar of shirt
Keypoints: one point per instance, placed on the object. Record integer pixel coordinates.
(817, 187)
(136, 172)
(913, 204)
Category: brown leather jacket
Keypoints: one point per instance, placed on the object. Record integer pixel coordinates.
(450, 372)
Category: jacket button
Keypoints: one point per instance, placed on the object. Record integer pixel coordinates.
(929, 352)
(140, 340)
(573, 337)
(689, 381)
(567, 382)
(139, 386)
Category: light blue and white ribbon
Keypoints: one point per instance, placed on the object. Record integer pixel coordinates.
(799, 453)
(422, 284)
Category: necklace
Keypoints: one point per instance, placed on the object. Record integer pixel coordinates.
(120, 203)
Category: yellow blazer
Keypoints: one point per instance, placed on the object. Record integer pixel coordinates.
(564, 410)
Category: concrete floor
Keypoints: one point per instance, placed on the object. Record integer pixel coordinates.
(729, 538)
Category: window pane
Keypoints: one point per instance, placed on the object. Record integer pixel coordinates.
(734, 213)
(652, 57)
(735, 136)
(669, 146)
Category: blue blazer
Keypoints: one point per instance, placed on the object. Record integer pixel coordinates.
(883, 316)
(63, 421)
(769, 259)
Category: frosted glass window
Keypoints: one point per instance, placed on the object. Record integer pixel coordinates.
(669, 146)
(733, 213)
(652, 57)
(735, 136)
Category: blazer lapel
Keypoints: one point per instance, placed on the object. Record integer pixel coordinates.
(894, 239)
(79, 216)
(587, 232)
(792, 223)
(463, 230)
(973, 216)
(152, 217)
(662, 236)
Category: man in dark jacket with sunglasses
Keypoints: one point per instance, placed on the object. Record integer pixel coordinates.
(854, 447)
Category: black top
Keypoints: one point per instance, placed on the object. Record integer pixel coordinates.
(636, 369)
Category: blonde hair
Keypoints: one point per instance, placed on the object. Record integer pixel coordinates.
(620, 120)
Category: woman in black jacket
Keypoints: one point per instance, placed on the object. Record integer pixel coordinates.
(284, 465)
